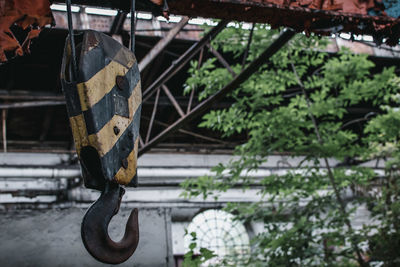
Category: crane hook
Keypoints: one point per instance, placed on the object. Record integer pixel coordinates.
(94, 229)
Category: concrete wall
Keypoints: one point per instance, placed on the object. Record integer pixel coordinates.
(52, 238)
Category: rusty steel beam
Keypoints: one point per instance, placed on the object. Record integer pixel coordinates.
(283, 38)
(207, 138)
(173, 100)
(143, 5)
(151, 73)
(222, 60)
(166, 51)
(321, 17)
(182, 60)
(153, 114)
(159, 47)
(31, 104)
(324, 18)
(27, 95)
(246, 52)
(118, 22)
(141, 142)
(4, 130)
(189, 106)
(200, 62)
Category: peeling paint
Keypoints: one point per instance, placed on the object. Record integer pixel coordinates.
(27, 16)
(323, 17)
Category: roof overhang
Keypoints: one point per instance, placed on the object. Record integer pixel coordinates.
(377, 18)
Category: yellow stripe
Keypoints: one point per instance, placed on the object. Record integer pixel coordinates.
(91, 91)
(79, 132)
(124, 176)
(105, 139)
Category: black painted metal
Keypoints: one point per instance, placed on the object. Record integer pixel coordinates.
(94, 229)
(118, 23)
(133, 26)
(90, 108)
(72, 41)
(113, 103)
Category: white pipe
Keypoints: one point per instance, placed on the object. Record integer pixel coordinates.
(191, 172)
(13, 172)
(10, 172)
(47, 160)
(9, 198)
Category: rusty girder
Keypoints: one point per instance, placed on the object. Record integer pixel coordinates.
(319, 16)
(379, 18)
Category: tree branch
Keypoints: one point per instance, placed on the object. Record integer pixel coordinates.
(330, 173)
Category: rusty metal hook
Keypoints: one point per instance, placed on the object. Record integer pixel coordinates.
(94, 229)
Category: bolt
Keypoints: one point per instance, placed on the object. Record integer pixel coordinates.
(122, 83)
(124, 163)
(116, 130)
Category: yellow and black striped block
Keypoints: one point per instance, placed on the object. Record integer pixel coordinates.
(104, 107)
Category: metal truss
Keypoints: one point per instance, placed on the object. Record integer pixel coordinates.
(152, 139)
(156, 127)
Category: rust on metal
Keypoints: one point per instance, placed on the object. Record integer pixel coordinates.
(30, 16)
(94, 229)
(122, 83)
(103, 105)
(322, 17)
(124, 163)
(116, 130)
(162, 44)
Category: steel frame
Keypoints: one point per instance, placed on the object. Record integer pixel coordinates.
(152, 135)
(162, 44)
(200, 108)
(182, 60)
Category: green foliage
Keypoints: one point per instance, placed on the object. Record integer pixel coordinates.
(302, 103)
(193, 259)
